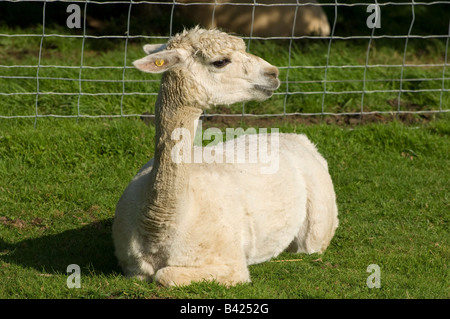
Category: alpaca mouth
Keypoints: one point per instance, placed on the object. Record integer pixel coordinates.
(268, 90)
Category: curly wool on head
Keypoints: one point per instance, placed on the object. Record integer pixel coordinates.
(206, 43)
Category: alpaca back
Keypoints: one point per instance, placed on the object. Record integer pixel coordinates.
(267, 209)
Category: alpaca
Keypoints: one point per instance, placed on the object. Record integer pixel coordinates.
(179, 222)
(275, 20)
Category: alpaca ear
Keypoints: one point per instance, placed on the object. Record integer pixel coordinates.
(158, 62)
(153, 48)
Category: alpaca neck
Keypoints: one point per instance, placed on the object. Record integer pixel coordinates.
(169, 179)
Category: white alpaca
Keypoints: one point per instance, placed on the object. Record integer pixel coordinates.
(179, 222)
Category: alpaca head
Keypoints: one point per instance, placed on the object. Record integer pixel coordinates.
(214, 65)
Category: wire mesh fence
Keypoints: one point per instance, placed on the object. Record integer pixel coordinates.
(72, 59)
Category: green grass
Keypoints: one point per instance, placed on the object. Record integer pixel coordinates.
(59, 184)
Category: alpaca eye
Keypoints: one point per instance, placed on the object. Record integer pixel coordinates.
(221, 63)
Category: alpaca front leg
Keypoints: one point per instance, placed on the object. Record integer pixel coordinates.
(137, 268)
(223, 274)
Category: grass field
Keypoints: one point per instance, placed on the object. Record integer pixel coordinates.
(60, 181)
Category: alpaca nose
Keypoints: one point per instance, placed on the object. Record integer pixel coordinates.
(271, 72)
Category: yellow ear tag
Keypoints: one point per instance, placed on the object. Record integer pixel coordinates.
(159, 62)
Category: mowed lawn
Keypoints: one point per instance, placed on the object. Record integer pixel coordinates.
(60, 181)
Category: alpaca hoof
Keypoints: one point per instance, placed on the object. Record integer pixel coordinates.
(167, 277)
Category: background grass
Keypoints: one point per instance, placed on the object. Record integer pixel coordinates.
(303, 84)
(60, 181)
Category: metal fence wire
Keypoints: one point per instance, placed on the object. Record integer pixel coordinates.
(36, 85)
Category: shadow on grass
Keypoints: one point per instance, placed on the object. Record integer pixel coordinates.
(90, 247)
